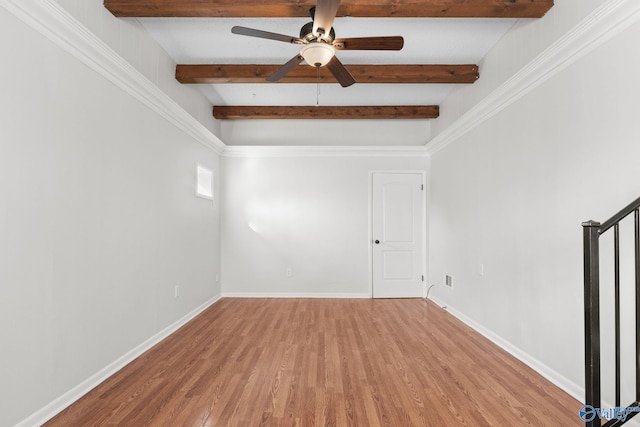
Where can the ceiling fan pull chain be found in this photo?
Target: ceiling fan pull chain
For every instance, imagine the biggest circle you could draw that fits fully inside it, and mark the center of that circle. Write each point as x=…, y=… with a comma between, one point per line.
x=318, y=87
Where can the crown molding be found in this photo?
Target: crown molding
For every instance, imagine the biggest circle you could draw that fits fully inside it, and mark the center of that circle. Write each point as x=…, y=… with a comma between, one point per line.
x=318, y=151
x=604, y=23
x=55, y=23
x=59, y=26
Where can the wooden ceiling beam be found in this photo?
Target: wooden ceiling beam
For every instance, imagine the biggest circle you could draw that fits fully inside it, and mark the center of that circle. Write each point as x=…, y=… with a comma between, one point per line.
x=326, y=112
x=355, y=8
x=257, y=73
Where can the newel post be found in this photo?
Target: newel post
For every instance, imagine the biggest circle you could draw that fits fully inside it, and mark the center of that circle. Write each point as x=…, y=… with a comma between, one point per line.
x=592, y=316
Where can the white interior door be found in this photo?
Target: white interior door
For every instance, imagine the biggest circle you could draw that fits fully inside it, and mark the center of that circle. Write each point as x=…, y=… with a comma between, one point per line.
x=397, y=235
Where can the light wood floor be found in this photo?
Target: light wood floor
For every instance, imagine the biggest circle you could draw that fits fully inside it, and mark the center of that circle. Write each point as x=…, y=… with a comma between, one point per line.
x=315, y=362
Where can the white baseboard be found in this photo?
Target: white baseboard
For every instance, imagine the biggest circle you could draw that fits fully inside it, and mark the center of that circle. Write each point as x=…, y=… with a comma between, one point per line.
x=49, y=411
x=568, y=386
x=289, y=295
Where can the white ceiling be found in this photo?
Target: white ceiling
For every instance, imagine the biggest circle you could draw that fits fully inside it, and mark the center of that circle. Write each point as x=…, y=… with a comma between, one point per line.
x=427, y=41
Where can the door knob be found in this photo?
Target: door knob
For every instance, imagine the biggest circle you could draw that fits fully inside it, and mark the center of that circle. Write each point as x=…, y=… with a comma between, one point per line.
x=377, y=242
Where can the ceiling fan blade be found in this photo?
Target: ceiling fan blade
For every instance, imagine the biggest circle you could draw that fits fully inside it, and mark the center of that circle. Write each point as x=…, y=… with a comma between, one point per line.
x=282, y=71
x=325, y=14
x=342, y=75
x=370, y=43
x=265, y=35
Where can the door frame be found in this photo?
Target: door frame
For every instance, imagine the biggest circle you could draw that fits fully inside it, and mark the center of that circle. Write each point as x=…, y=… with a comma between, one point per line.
x=425, y=229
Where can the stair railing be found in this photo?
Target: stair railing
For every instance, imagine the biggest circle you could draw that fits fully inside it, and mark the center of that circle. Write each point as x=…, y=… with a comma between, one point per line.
x=592, y=413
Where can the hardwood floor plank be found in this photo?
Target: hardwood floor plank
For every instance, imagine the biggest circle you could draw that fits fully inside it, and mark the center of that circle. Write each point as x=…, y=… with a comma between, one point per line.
x=314, y=362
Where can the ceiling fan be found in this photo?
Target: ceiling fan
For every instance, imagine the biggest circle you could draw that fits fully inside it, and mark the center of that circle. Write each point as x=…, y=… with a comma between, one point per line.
x=319, y=43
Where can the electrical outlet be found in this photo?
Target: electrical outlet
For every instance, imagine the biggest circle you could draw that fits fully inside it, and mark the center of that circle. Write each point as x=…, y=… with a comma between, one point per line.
x=481, y=269
x=289, y=272
x=447, y=281
x=176, y=291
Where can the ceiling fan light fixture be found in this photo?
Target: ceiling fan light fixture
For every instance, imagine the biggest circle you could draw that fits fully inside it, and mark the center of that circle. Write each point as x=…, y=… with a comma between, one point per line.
x=317, y=54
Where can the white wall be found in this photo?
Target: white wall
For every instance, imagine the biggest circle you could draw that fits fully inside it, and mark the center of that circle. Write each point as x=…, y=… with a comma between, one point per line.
x=511, y=194
x=326, y=132
x=300, y=212
x=98, y=222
